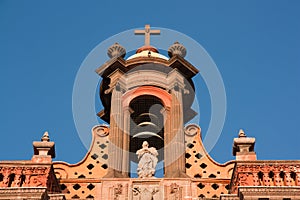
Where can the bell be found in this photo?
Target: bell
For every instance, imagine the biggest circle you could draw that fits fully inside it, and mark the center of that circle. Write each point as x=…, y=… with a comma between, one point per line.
x=147, y=117
x=147, y=126
x=146, y=134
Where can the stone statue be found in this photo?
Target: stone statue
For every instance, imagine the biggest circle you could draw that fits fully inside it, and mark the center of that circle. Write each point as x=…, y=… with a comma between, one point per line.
x=147, y=161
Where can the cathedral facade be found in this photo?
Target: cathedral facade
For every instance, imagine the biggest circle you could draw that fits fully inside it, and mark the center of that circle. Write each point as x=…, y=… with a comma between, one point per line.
x=149, y=151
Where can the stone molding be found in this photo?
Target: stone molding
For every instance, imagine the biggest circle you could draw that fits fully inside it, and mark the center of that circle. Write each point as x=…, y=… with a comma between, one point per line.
x=32, y=193
x=271, y=190
x=39, y=193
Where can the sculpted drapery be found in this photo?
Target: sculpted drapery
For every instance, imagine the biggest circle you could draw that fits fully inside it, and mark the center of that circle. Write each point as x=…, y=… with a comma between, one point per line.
x=147, y=161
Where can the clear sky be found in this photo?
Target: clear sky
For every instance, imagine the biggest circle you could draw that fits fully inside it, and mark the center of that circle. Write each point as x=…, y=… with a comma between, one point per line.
x=255, y=44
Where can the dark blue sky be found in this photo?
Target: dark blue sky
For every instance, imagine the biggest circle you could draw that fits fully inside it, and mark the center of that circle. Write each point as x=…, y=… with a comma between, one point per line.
x=255, y=44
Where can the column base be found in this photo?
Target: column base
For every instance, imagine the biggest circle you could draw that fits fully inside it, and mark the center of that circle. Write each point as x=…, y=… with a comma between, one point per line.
x=176, y=174
x=112, y=173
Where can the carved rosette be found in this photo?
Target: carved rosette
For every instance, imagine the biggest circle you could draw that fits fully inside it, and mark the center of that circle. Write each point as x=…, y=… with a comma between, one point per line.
x=119, y=191
x=191, y=130
x=101, y=130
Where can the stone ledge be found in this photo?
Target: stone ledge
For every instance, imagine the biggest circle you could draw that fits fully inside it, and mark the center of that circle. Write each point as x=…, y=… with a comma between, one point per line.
x=36, y=193
x=292, y=192
x=32, y=193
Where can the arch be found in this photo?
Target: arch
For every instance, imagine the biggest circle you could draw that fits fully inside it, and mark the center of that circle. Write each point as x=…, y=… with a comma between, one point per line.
x=147, y=123
x=163, y=95
x=11, y=179
x=1, y=177
x=22, y=179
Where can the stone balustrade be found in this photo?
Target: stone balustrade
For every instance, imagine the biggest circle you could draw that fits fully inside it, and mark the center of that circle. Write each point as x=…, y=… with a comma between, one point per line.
x=265, y=173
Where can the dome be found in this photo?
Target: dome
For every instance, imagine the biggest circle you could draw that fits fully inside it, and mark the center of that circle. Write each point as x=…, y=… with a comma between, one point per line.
x=148, y=51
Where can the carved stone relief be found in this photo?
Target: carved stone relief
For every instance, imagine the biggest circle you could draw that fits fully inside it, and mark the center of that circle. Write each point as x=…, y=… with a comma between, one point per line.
x=24, y=176
x=119, y=191
x=146, y=193
x=175, y=192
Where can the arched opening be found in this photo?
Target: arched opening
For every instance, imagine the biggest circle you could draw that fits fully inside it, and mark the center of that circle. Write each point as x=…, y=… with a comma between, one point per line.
x=146, y=124
x=1, y=177
x=23, y=177
x=11, y=179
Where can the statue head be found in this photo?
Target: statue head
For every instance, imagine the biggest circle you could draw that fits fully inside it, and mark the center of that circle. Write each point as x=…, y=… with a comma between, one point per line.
x=145, y=144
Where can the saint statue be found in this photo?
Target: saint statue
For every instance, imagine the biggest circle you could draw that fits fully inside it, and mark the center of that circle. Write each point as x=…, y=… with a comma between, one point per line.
x=147, y=161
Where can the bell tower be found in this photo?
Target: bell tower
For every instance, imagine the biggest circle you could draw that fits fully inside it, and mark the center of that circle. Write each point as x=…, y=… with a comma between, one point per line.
x=147, y=97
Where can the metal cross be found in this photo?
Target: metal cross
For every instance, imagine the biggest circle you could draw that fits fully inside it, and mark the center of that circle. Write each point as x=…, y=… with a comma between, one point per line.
x=147, y=32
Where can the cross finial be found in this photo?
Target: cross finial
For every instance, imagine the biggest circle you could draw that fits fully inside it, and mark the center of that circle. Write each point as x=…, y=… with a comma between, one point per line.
x=147, y=32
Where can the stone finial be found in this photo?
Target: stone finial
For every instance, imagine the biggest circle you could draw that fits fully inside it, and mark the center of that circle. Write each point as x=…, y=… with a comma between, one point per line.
x=243, y=147
x=45, y=137
x=177, y=49
x=43, y=150
x=242, y=133
x=116, y=50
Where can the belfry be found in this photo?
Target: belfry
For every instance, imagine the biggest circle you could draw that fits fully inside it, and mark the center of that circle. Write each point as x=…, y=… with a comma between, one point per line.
x=145, y=98
x=147, y=150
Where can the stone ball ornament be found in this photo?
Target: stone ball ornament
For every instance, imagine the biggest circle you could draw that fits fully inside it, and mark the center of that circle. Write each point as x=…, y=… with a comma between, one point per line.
x=177, y=49
x=116, y=50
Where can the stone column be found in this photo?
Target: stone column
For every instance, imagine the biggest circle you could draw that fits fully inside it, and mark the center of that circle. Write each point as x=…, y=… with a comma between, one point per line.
x=167, y=139
x=18, y=174
x=298, y=178
x=175, y=153
x=5, y=172
x=277, y=178
x=288, y=179
x=126, y=140
x=115, y=152
x=255, y=179
x=266, y=179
